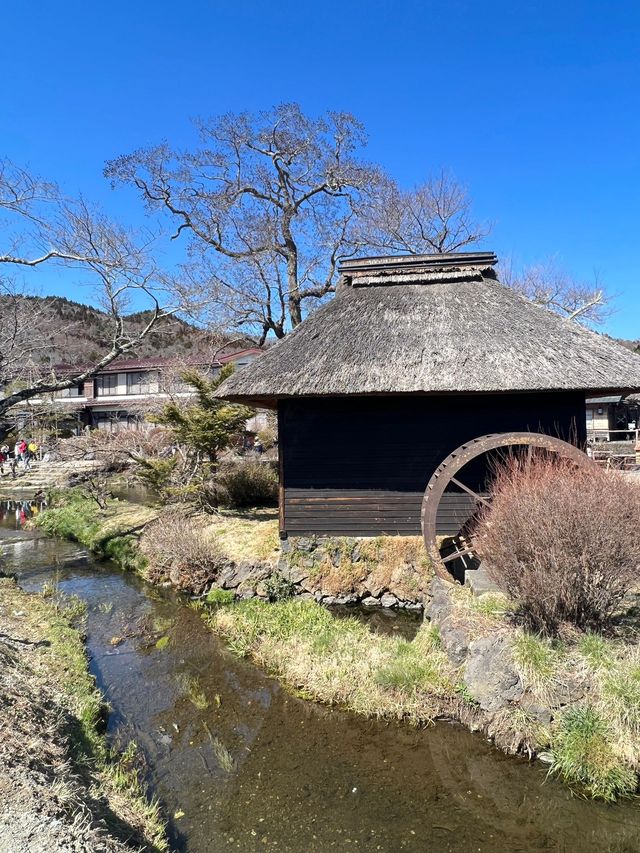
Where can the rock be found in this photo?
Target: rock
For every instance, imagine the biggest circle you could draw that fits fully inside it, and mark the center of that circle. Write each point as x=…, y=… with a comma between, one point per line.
x=375, y=590
x=303, y=544
x=307, y=596
x=328, y=600
x=247, y=571
x=296, y=574
x=538, y=712
x=567, y=692
x=245, y=593
x=388, y=600
x=490, y=675
x=370, y=601
x=227, y=578
x=440, y=606
x=414, y=605
x=455, y=642
x=440, y=610
x=479, y=581
x=261, y=590
x=345, y=600
x=285, y=546
x=308, y=584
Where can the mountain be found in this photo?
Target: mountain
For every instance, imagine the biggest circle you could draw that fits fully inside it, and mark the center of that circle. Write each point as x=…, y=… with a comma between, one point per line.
x=78, y=333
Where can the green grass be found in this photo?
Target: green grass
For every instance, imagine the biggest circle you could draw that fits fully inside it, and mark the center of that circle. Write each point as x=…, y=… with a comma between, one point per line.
x=538, y=660
x=410, y=670
x=596, y=651
x=73, y=515
x=339, y=661
x=194, y=692
x=620, y=689
x=123, y=551
x=220, y=596
x=583, y=756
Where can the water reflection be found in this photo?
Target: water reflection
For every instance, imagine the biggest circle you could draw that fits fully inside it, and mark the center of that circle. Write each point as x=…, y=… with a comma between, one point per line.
x=253, y=768
x=14, y=513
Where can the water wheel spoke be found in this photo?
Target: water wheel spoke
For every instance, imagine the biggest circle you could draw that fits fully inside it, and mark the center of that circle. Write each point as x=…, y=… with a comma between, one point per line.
x=479, y=498
x=450, y=557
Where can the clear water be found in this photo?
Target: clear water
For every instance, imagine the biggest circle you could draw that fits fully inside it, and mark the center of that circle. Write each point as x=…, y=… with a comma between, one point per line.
x=256, y=769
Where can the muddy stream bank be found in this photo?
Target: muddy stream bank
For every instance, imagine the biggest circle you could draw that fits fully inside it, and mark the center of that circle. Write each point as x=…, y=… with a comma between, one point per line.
x=239, y=763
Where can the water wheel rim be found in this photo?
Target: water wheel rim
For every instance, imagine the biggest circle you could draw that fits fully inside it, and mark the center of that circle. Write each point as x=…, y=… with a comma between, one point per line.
x=445, y=474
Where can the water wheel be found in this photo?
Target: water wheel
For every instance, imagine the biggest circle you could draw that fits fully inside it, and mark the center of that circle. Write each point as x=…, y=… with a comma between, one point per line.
x=464, y=495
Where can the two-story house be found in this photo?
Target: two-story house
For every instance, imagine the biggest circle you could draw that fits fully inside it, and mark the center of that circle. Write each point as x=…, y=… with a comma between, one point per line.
x=118, y=396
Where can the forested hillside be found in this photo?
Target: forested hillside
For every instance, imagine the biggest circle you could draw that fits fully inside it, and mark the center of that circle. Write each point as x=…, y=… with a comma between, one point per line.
x=80, y=333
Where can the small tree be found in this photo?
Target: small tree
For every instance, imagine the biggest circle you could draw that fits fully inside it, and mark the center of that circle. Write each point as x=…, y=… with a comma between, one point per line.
x=207, y=426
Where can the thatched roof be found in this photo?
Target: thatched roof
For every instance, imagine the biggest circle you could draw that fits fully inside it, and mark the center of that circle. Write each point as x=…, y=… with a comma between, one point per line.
x=432, y=324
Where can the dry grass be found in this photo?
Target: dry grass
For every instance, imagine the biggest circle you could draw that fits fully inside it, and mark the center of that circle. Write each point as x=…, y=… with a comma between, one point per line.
x=250, y=535
x=59, y=785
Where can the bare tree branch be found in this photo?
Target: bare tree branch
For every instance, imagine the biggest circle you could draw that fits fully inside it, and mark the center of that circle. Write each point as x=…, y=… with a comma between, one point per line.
x=51, y=229
x=270, y=204
x=549, y=285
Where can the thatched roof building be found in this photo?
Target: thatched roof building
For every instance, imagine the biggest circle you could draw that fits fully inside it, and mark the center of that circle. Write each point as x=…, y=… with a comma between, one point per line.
x=433, y=324
x=413, y=357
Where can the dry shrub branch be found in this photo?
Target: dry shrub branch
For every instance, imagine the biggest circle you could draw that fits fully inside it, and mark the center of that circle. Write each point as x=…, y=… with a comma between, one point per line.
x=563, y=542
x=178, y=550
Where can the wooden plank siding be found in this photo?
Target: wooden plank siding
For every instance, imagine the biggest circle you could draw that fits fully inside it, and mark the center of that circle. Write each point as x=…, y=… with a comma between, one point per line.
x=368, y=513
x=359, y=466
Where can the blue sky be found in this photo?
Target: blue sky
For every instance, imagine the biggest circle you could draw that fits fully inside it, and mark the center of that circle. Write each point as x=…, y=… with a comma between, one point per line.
x=535, y=107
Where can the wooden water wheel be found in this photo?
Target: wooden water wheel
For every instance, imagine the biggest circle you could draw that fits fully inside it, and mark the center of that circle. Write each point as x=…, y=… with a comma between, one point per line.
x=448, y=484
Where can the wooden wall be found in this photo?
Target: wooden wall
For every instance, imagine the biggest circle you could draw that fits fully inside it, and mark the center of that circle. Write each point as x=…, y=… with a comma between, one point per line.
x=358, y=466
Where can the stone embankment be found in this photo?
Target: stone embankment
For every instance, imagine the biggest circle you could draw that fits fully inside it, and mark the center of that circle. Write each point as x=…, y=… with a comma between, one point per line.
x=482, y=648
x=384, y=572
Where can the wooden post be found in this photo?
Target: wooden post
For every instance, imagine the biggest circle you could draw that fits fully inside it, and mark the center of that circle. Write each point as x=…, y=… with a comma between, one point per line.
x=281, y=515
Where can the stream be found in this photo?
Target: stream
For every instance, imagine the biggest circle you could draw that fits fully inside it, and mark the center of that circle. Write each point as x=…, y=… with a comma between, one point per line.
x=240, y=764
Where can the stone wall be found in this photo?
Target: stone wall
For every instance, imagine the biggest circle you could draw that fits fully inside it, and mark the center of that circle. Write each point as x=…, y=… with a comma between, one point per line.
x=375, y=572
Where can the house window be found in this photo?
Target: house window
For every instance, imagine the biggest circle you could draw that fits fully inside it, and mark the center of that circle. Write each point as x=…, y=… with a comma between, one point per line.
x=138, y=382
x=74, y=391
x=107, y=385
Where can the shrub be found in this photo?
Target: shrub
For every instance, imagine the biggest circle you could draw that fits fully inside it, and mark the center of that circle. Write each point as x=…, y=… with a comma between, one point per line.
x=279, y=588
x=561, y=541
x=247, y=483
x=178, y=550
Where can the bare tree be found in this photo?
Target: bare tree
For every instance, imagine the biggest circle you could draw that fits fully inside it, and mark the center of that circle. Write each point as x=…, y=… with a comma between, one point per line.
x=43, y=227
x=433, y=217
x=272, y=202
x=549, y=285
